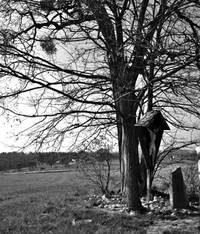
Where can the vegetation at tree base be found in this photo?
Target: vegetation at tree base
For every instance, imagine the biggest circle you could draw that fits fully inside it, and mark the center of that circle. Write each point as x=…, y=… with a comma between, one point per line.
x=99, y=66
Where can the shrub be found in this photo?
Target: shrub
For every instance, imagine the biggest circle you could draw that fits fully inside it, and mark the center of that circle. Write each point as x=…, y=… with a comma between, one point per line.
x=191, y=180
x=96, y=167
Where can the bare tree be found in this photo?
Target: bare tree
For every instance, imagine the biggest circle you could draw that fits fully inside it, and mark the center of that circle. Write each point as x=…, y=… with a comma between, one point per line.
x=96, y=64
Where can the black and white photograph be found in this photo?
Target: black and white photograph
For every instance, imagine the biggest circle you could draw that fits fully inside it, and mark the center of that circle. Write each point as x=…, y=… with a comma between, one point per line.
x=99, y=116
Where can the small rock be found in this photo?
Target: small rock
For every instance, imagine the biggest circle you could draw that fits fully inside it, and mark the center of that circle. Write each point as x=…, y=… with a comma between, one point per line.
x=183, y=211
x=101, y=205
x=150, y=213
x=196, y=213
x=44, y=218
x=123, y=209
x=189, y=212
x=133, y=213
x=155, y=199
x=80, y=221
x=104, y=198
x=151, y=207
x=173, y=214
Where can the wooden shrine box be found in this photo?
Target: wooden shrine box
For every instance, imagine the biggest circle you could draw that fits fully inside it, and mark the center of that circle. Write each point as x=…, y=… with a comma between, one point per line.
x=150, y=130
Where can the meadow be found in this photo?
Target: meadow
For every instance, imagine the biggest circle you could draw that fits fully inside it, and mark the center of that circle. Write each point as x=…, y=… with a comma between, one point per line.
x=36, y=203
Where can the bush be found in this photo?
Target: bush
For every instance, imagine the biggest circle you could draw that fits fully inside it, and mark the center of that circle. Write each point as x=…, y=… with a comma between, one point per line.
x=191, y=180
x=96, y=167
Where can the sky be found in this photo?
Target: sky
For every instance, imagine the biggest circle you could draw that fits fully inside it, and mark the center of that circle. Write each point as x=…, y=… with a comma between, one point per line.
x=6, y=141
x=9, y=143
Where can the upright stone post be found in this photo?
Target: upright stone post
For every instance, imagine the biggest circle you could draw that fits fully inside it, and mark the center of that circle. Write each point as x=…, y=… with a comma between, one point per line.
x=178, y=196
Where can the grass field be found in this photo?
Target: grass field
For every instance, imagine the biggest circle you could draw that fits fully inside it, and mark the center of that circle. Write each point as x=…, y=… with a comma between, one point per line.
x=49, y=202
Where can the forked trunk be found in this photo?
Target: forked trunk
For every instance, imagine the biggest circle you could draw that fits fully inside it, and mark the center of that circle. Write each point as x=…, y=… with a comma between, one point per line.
x=126, y=106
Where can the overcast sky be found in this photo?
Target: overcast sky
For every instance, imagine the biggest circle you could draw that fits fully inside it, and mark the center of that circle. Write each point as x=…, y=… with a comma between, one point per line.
x=10, y=143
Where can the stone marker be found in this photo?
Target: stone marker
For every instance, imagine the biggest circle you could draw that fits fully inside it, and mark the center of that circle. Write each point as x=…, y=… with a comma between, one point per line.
x=178, y=196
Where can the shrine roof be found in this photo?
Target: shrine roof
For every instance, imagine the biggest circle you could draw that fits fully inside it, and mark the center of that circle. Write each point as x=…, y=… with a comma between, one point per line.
x=151, y=118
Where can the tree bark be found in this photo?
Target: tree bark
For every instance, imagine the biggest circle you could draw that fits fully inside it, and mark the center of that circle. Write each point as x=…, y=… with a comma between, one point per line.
x=130, y=165
x=126, y=108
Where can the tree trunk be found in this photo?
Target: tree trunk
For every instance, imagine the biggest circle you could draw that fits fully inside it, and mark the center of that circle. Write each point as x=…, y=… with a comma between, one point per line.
x=130, y=165
x=149, y=169
x=126, y=107
x=121, y=163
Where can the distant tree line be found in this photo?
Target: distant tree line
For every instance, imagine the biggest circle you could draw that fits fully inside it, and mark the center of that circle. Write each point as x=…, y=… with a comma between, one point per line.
x=18, y=160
